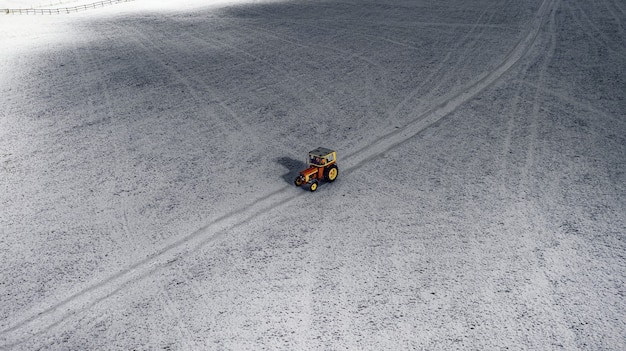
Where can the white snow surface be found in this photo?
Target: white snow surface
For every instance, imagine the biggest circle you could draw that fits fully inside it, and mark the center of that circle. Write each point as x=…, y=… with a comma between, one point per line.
x=148, y=150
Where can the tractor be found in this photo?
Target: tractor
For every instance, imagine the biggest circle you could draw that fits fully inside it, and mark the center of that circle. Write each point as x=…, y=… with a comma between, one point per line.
x=322, y=166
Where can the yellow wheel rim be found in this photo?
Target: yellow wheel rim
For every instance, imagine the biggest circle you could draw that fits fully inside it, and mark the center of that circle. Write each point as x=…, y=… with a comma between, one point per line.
x=332, y=174
x=313, y=186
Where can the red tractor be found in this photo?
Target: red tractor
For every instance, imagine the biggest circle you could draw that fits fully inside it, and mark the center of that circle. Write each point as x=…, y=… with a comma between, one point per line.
x=322, y=165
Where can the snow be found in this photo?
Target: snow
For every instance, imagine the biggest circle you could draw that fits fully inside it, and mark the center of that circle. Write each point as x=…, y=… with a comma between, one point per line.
x=148, y=150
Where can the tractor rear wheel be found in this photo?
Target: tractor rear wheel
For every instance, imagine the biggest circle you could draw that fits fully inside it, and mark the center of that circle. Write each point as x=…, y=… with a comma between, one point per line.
x=313, y=185
x=331, y=173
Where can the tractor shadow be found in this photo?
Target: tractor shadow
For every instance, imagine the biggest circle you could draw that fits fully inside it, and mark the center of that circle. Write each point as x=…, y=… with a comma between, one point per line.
x=294, y=166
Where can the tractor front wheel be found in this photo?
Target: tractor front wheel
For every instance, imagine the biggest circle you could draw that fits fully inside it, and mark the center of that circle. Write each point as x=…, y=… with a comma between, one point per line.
x=313, y=185
x=331, y=173
x=299, y=181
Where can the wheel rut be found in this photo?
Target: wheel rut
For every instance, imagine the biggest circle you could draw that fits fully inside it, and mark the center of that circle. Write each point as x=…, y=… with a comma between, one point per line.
x=449, y=103
x=44, y=320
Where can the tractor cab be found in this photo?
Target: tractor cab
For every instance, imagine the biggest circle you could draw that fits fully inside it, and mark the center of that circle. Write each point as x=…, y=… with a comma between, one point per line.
x=322, y=165
x=321, y=157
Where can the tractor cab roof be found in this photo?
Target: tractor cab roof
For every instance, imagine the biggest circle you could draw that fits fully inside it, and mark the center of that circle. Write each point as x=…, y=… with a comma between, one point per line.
x=320, y=152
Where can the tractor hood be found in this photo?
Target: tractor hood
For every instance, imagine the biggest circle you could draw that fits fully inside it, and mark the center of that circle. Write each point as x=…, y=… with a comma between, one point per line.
x=309, y=172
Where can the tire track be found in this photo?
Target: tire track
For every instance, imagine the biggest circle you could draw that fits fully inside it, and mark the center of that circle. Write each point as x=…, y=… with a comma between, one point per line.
x=468, y=40
x=180, y=327
x=617, y=17
x=158, y=55
x=618, y=6
x=71, y=306
x=232, y=118
x=393, y=113
x=54, y=315
x=121, y=237
x=346, y=55
x=449, y=103
x=575, y=102
x=525, y=186
x=594, y=33
x=506, y=147
x=321, y=106
x=504, y=174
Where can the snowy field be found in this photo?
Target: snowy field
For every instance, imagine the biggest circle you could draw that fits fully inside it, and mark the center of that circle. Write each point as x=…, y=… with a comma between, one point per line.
x=148, y=149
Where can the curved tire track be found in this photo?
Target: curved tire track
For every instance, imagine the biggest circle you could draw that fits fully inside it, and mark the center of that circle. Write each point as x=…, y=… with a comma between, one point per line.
x=449, y=103
x=39, y=323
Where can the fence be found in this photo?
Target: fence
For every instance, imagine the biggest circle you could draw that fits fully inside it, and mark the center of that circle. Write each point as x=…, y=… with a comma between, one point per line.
x=63, y=10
